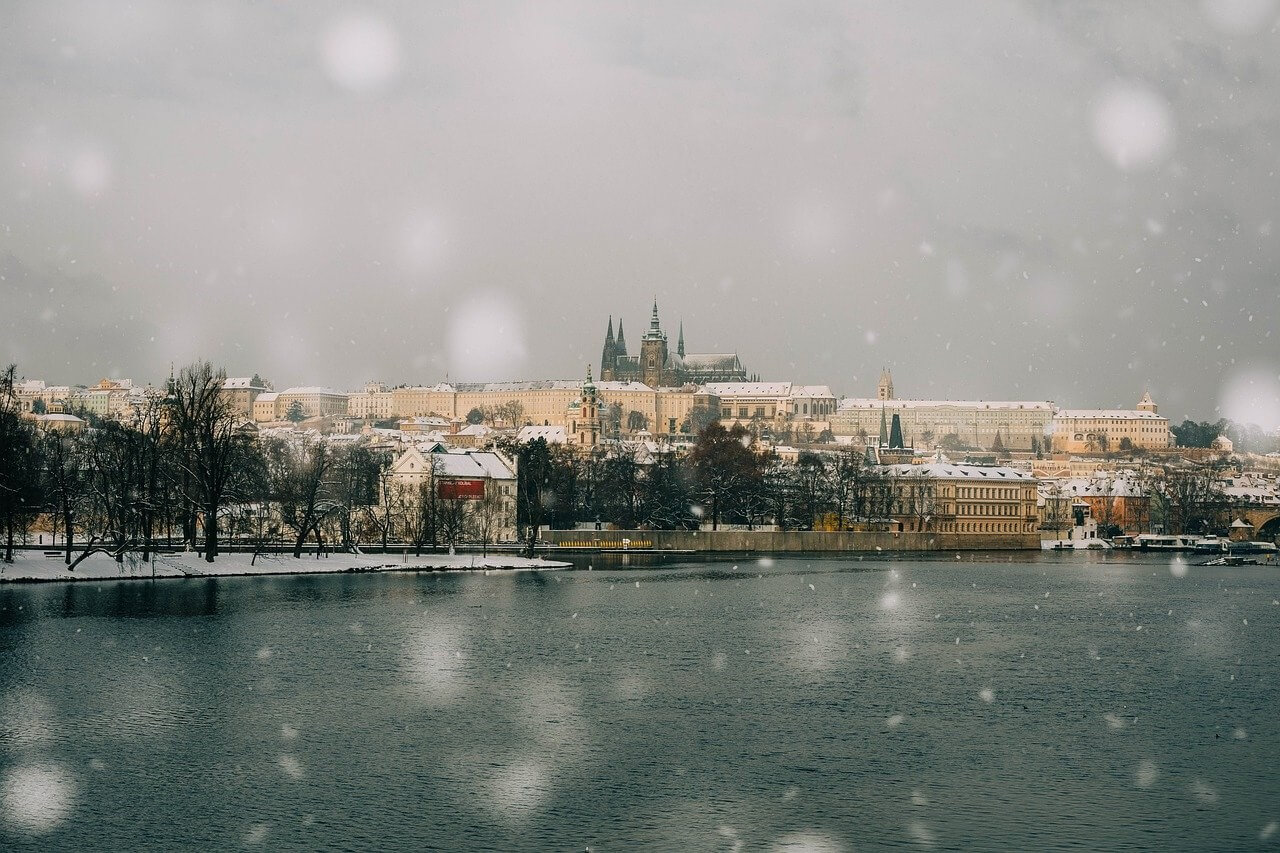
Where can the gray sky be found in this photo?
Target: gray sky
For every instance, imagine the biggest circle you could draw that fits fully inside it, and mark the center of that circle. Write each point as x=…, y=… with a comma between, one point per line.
x=1017, y=200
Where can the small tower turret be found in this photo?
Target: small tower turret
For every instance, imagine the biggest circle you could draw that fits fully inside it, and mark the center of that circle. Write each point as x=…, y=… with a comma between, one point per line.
x=884, y=390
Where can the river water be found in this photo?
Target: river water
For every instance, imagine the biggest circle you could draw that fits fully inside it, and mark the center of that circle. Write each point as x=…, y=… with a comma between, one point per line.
x=1049, y=702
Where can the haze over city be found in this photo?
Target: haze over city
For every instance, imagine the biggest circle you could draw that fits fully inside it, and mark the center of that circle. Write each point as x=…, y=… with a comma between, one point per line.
x=1074, y=203
x=781, y=425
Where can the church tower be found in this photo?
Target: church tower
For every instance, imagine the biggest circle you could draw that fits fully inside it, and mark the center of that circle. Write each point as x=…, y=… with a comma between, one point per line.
x=884, y=391
x=1146, y=404
x=653, y=351
x=586, y=424
x=608, y=358
x=680, y=341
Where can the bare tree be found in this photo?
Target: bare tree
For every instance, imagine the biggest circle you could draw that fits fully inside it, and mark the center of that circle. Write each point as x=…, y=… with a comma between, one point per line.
x=810, y=489
x=917, y=499
x=488, y=515
x=65, y=482
x=424, y=515
x=19, y=467
x=361, y=491
x=304, y=491
x=111, y=457
x=1187, y=498
x=1057, y=510
x=453, y=515
x=204, y=423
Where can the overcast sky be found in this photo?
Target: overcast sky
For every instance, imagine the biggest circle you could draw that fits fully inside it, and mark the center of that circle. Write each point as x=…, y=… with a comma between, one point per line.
x=1023, y=200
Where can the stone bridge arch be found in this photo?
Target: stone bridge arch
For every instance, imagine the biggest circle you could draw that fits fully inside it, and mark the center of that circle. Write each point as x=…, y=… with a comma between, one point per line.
x=1266, y=526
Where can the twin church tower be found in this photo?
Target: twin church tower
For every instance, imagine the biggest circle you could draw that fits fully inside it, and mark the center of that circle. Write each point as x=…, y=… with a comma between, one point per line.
x=658, y=367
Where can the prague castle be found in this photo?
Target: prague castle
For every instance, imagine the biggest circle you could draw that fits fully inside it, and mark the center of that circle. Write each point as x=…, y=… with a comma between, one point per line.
x=658, y=367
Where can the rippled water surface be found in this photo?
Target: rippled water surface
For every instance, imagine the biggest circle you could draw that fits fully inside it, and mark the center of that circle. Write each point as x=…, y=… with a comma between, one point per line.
x=1071, y=702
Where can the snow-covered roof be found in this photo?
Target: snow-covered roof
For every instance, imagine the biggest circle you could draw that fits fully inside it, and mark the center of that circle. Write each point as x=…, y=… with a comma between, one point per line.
x=478, y=430
x=313, y=389
x=239, y=383
x=441, y=387
x=623, y=386
x=525, y=385
x=811, y=391
x=950, y=471
x=494, y=465
x=711, y=361
x=268, y=396
x=550, y=434
x=1114, y=487
x=1252, y=495
x=484, y=465
x=1110, y=414
x=748, y=389
x=59, y=418
x=874, y=403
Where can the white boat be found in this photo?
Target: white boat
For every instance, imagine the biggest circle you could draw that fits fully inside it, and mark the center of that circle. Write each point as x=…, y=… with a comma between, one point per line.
x=1164, y=542
x=1252, y=548
x=1211, y=545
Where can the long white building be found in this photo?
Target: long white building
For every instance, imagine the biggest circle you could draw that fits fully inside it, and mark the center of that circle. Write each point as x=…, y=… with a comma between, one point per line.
x=1020, y=425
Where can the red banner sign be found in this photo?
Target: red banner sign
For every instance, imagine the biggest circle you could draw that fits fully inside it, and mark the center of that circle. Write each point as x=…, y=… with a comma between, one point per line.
x=467, y=490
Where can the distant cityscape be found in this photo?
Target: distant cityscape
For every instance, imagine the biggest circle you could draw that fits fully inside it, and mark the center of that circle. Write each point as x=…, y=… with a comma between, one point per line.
x=659, y=393
x=1046, y=474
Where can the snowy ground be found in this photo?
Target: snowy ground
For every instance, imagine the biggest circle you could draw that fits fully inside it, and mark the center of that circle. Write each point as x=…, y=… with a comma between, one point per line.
x=35, y=566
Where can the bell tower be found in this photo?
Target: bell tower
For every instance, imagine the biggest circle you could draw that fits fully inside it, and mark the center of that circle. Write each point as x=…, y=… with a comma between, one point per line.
x=884, y=391
x=653, y=351
x=586, y=425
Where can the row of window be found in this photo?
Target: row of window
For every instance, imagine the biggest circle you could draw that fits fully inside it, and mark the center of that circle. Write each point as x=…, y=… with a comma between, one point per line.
x=988, y=492
x=989, y=509
x=993, y=527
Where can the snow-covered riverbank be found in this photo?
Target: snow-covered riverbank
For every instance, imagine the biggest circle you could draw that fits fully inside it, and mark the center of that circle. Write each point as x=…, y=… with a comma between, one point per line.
x=34, y=566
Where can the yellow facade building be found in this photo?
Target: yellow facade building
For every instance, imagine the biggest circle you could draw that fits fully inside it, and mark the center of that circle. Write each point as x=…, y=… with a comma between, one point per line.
x=964, y=499
x=1104, y=430
x=541, y=402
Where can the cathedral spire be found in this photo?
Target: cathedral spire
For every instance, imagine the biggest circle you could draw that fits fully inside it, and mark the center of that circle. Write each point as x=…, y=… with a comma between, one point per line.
x=654, y=332
x=680, y=342
x=621, y=346
x=609, y=356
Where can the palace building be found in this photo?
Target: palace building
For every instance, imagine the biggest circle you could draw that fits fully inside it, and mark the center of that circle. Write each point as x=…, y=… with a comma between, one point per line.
x=1102, y=430
x=658, y=367
x=1016, y=424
